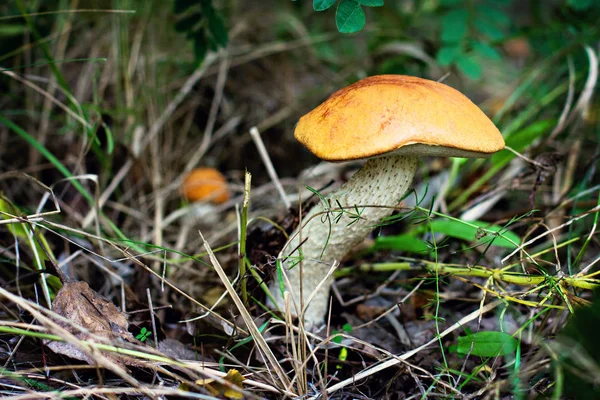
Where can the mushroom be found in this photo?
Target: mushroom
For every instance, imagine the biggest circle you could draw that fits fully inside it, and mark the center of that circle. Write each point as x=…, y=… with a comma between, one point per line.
x=391, y=120
x=205, y=184
x=207, y=189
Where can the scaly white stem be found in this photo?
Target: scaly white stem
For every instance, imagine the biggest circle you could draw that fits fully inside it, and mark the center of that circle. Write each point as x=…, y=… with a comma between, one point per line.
x=381, y=182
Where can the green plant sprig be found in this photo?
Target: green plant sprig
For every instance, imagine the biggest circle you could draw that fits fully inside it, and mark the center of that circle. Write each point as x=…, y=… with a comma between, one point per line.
x=349, y=14
x=243, y=237
x=469, y=31
x=202, y=24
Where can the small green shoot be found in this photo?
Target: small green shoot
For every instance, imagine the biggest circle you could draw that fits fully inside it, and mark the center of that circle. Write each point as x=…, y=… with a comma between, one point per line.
x=143, y=335
x=343, y=355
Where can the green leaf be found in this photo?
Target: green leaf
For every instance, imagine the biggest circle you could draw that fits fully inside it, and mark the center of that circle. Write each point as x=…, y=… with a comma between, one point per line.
x=322, y=5
x=447, y=55
x=488, y=29
x=347, y=328
x=371, y=3
x=580, y=5
x=406, y=242
x=464, y=231
x=217, y=28
x=485, y=50
x=337, y=339
x=454, y=25
x=349, y=16
x=495, y=15
x=201, y=22
x=487, y=344
x=212, y=44
x=469, y=67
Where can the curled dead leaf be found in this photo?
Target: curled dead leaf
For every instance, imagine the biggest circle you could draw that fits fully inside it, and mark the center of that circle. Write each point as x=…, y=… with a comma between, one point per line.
x=99, y=317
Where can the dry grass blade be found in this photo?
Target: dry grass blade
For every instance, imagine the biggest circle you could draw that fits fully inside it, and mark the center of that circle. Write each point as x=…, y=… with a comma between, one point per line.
x=255, y=134
x=252, y=328
x=109, y=392
x=590, y=83
x=583, y=102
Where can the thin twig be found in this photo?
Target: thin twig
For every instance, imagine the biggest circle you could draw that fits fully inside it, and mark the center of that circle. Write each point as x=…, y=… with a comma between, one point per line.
x=151, y=310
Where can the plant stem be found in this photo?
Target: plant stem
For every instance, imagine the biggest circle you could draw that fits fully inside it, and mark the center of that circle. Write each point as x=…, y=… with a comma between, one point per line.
x=516, y=278
x=243, y=226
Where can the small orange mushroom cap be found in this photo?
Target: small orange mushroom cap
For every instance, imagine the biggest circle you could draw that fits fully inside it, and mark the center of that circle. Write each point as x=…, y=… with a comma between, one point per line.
x=205, y=184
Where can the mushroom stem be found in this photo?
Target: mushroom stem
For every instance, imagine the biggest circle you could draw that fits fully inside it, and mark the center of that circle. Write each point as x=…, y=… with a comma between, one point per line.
x=377, y=186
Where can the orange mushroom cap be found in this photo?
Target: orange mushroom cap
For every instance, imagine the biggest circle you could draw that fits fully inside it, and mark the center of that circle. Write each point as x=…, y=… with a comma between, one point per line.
x=206, y=184
x=401, y=114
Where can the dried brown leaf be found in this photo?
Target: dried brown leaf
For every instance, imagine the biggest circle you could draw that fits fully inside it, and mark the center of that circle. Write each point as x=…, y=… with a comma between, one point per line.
x=99, y=317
